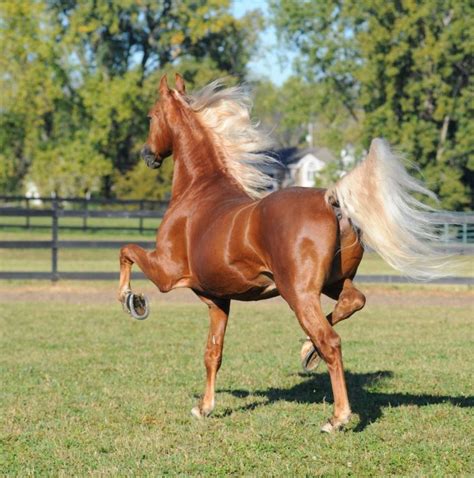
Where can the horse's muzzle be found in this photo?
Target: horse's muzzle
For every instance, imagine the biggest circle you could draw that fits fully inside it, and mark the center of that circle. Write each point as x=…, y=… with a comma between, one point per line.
x=151, y=159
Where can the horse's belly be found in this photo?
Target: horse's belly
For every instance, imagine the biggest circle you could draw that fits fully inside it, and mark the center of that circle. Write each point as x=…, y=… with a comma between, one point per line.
x=235, y=284
x=258, y=293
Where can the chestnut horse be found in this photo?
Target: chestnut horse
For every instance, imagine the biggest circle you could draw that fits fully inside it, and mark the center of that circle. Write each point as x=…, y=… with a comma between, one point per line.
x=225, y=241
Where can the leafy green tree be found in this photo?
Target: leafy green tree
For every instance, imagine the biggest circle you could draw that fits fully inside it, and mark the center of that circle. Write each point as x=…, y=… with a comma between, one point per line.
x=401, y=70
x=329, y=174
x=141, y=182
x=283, y=111
x=78, y=78
x=28, y=90
x=300, y=108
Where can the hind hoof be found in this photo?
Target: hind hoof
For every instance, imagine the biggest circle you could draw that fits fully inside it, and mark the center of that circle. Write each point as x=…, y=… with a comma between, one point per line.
x=333, y=425
x=137, y=306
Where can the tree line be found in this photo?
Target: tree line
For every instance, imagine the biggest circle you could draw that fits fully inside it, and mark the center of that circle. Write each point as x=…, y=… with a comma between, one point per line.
x=78, y=77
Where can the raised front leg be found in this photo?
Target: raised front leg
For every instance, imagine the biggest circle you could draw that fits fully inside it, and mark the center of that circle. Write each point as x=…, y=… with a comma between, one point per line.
x=135, y=304
x=218, y=315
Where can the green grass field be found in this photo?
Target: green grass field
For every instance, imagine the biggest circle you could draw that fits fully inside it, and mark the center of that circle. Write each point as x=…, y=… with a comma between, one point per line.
x=88, y=391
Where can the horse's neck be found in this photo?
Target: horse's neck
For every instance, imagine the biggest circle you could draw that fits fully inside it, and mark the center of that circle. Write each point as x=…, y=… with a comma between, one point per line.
x=196, y=161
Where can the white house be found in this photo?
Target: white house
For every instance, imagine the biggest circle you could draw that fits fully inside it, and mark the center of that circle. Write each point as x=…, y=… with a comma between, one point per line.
x=33, y=192
x=298, y=167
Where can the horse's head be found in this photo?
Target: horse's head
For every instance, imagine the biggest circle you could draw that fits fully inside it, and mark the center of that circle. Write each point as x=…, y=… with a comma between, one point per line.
x=160, y=139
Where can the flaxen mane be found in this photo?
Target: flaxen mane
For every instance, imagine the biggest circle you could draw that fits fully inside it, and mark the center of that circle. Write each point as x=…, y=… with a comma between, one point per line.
x=226, y=113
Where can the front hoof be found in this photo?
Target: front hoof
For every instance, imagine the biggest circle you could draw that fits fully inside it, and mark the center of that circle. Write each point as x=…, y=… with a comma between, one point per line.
x=333, y=425
x=200, y=413
x=137, y=306
x=309, y=356
x=196, y=412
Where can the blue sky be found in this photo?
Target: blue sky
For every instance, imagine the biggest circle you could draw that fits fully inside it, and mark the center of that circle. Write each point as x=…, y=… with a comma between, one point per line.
x=270, y=60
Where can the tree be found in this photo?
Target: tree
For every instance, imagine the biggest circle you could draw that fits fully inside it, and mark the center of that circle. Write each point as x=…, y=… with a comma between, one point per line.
x=283, y=111
x=79, y=78
x=407, y=66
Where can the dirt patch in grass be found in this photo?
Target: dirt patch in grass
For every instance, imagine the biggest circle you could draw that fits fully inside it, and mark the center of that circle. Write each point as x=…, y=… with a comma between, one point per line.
x=106, y=293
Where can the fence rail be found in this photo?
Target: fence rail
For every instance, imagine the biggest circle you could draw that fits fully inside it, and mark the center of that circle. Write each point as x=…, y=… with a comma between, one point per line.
x=80, y=208
x=56, y=213
x=460, y=241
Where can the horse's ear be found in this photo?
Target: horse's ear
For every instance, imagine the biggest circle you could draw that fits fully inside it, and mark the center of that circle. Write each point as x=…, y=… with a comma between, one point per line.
x=180, y=86
x=163, y=89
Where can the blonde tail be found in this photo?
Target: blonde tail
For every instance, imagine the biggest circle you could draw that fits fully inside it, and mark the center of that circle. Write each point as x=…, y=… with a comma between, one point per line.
x=376, y=197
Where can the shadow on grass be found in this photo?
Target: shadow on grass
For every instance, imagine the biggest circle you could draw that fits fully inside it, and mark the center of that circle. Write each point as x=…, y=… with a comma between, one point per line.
x=367, y=404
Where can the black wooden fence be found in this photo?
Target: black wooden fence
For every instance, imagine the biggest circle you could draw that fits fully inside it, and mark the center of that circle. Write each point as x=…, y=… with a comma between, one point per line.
x=55, y=213
x=459, y=240
x=85, y=208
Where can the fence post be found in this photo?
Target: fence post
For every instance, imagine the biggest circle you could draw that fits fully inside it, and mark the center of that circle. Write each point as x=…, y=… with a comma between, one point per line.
x=28, y=212
x=86, y=212
x=141, y=218
x=54, y=242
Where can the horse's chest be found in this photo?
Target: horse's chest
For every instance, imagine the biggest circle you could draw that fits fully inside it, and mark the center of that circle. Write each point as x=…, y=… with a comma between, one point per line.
x=211, y=255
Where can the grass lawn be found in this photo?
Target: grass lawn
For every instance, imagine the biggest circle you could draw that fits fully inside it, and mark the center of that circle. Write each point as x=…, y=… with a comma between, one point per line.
x=87, y=391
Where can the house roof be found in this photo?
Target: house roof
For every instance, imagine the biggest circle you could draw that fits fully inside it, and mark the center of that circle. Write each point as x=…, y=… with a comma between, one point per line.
x=288, y=156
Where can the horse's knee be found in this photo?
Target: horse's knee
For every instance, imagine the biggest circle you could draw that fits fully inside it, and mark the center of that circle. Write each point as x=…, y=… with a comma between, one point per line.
x=213, y=357
x=125, y=255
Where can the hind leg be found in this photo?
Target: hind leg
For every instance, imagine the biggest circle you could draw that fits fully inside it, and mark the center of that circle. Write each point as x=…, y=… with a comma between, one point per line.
x=303, y=296
x=349, y=301
x=328, y=344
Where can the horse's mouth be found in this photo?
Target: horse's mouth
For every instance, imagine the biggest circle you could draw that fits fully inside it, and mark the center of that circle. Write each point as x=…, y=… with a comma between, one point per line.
x=153, y=161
